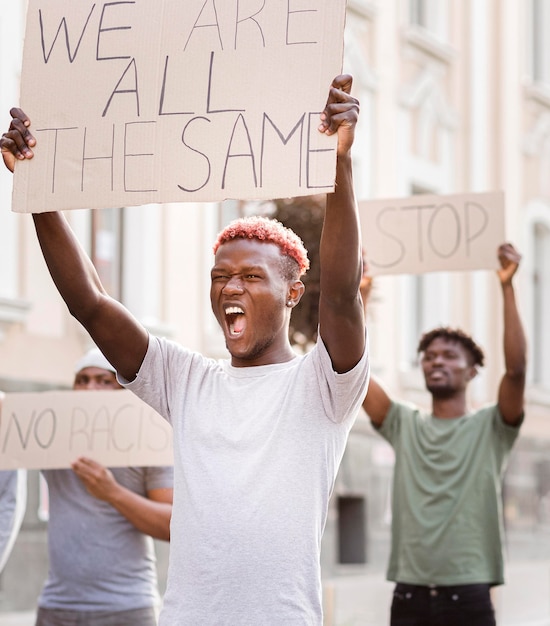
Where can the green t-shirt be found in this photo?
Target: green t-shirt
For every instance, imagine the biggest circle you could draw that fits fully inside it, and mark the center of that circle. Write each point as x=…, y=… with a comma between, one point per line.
x=447, y=526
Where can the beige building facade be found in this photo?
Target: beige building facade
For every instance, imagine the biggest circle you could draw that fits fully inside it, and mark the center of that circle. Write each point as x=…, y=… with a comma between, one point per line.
x=455, y=97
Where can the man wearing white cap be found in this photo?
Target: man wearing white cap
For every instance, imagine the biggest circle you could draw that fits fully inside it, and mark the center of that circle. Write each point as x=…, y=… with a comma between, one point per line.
x=101, y=555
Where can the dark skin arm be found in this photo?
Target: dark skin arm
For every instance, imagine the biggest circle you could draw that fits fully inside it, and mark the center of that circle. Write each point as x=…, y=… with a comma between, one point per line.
x=377, y=402
x=341, y=321
x=121, y=338
x=512, y=385
x=151, y=515
x=116, y=332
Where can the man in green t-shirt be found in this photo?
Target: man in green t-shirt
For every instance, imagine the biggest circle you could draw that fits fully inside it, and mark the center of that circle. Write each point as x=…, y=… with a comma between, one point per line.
x=447, y=524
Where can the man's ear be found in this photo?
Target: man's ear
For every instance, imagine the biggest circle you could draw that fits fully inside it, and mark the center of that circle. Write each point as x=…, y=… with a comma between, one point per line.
x=473, y=372
x=295, y=292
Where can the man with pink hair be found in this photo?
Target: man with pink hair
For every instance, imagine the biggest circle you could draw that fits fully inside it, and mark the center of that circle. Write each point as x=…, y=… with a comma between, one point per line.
x=258, y=438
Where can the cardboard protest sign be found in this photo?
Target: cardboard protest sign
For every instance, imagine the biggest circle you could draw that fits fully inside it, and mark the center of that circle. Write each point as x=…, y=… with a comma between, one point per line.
x=52, y=429
x=431, y=233
x=141, y=101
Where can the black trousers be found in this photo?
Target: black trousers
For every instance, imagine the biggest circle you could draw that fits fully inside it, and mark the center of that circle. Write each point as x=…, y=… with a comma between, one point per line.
x=434, y=605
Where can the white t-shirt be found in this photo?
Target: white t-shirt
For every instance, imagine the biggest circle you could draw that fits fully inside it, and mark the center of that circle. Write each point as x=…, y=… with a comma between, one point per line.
x=256, y=451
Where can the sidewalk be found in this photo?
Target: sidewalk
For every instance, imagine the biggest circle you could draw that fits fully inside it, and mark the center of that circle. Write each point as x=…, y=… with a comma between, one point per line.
x=18, y=618
x=365, y=600
x=525, y=598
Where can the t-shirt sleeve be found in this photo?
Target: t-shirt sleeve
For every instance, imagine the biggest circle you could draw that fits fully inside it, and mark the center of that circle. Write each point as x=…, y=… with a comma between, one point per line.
x=391, y=426
x=507, y=434
x=342, y=394
x=161, y=477
x=155, y=375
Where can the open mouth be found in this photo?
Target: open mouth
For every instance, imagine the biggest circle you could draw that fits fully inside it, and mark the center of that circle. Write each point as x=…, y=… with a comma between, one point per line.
x=235, y=320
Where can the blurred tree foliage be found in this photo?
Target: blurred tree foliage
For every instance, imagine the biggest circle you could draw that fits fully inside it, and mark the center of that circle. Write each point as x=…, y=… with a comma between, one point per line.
x=305, y=217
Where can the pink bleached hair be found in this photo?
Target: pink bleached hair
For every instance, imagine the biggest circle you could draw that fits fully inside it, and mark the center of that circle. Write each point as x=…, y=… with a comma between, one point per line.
x=269, y=230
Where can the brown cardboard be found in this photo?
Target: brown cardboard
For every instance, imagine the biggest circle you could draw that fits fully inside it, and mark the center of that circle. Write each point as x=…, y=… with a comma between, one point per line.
x=52, y=429
x=147, y=101
x=431, y=233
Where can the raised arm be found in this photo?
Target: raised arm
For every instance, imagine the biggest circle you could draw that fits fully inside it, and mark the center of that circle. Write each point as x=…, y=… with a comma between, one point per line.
x=341, y=322
x=512, y=385
x=115, y=331
x=151, y=515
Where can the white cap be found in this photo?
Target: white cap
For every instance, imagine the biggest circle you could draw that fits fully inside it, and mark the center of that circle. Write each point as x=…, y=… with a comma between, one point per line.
x=93, y=358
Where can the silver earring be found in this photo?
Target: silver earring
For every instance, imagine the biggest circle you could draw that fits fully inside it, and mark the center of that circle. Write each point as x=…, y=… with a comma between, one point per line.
x=289, y=303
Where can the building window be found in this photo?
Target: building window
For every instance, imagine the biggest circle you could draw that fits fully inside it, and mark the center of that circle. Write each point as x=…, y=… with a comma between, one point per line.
x=540, y=41
x=228, y=211
x=430, y=15
x=352, y=545
x=541, y=306
x=426, y=299
x=418, y=317
x=106, y=246
x=418, y=12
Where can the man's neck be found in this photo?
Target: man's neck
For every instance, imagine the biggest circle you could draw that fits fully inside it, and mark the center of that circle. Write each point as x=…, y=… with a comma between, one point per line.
x=449, y=408
x=269, y=357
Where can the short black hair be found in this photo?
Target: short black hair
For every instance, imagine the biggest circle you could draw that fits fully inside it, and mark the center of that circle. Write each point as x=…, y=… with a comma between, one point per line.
x=453, y=334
